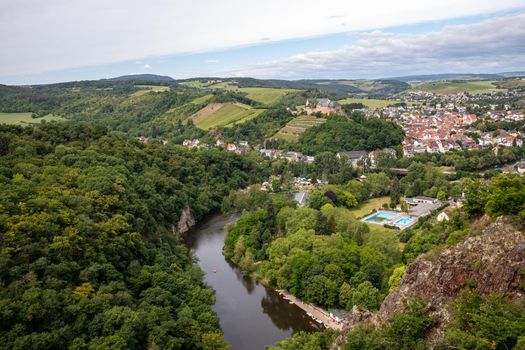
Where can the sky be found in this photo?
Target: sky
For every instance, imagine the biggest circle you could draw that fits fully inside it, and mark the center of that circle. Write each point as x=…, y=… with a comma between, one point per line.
x=63, y=40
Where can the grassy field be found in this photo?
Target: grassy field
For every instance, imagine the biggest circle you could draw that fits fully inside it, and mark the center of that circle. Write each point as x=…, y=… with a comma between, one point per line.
x=366, y=208
x=225, y=115
x=25, y=118
x=202, y=99
x=210, y=84
x=455, y=87
x=511, y=84
x=263, y=95
x=267, y=96
x=149, y=88
x=297, y=126
x=369, y=205
x=379, y=228
x=369, y=102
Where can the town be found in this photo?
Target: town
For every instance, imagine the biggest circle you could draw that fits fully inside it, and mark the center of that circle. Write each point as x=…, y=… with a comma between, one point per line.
x=433, y=123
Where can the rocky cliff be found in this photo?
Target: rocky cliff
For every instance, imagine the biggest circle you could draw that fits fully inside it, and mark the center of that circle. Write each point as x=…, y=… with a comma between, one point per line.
x=186, y=222
x=491, y=262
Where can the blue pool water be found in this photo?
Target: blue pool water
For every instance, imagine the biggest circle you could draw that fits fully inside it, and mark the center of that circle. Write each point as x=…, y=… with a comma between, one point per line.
x=403, y=221
x=381, y=214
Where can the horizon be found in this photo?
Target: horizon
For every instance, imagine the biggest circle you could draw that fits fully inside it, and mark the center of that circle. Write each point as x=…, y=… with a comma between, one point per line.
x=518, y=74
x=341, y=40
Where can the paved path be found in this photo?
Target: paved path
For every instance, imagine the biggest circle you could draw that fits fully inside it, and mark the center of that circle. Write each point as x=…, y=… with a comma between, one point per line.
x=315, y=311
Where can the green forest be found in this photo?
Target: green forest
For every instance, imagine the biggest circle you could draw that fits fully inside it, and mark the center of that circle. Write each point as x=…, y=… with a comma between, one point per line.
x=88, y=256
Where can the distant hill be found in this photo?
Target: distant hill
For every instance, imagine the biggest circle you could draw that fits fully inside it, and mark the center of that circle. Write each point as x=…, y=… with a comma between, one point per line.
x=339, y=87
x=449, y=76
x=142, y=78
x=513, y=74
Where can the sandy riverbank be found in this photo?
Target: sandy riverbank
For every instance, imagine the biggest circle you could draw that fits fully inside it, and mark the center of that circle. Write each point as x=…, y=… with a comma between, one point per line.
x=314, y=311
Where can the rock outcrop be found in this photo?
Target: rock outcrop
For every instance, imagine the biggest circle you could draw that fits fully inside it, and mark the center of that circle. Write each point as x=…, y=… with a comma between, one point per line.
x=491, y=262
x=186, y=222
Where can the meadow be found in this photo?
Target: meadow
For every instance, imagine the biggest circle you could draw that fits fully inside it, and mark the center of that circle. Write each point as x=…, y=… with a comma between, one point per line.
x=216, y=115
x=511, y=84
x=25, y=118
x=144, y=89
x=367, y=206
x=266, y=96
x=369, y=102
x=455, y=87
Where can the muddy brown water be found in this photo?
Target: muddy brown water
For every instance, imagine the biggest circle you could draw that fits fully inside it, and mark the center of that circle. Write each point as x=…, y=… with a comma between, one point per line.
x=251, y=315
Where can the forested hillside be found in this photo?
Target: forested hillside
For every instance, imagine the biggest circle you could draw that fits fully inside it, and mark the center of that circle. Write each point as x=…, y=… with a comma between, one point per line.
x=340, y=134
x=88, y=257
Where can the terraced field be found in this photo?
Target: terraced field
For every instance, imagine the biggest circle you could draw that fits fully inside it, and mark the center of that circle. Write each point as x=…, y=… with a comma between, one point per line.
x=223, y=114
x=296, y=127
x=455, y=87
x=25, y=118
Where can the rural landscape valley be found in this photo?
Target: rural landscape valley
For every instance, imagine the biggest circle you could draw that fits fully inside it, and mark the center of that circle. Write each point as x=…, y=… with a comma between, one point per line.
x=323, y=177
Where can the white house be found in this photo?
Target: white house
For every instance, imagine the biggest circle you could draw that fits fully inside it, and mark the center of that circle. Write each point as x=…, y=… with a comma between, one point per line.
x=443, y=217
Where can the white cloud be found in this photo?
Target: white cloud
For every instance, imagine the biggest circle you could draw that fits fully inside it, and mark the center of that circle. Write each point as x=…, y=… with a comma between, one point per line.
x=212, y=61
x=39, y=36
x=493, y=45
x=146, y=66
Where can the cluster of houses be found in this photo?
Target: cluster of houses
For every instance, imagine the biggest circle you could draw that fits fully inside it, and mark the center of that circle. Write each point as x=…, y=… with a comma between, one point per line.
x=426, y=96
x=444, y=132
x=518, y=168
x=358, y=158
x=300, y=184
x=508, y=115
x=291, y=156
x=239, y=147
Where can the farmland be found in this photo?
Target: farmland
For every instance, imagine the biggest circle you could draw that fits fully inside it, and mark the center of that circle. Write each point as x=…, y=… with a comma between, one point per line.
x=297, y=126
x=455, y=87
x=369, y=102
x=25, y=118
x=262, y=95
x=511, y=84
x=218, y=114
x=266, y=96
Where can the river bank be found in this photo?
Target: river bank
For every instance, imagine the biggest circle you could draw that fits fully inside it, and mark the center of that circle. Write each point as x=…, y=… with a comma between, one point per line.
x=317, y=313
x=252, y=316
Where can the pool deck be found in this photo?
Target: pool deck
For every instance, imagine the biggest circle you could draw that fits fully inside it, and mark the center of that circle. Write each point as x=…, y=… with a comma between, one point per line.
x=392, y=220
x=425, y=206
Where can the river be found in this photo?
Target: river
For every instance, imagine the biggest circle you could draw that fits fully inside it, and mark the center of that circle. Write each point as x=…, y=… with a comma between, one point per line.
x=251, y=315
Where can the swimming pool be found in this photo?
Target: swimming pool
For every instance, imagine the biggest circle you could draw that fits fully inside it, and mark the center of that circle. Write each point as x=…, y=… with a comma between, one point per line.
x=381, y=216
x=404, y=221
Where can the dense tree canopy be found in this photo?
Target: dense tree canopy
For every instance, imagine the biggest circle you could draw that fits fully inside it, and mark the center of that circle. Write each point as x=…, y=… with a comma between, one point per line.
x=340, y=134
x=88, y=259
x=318, y=255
